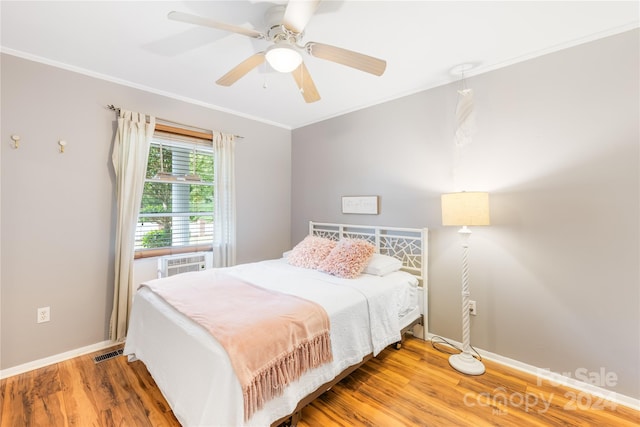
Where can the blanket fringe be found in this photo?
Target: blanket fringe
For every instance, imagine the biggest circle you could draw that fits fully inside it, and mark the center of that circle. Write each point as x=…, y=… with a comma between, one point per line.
x=270, y=382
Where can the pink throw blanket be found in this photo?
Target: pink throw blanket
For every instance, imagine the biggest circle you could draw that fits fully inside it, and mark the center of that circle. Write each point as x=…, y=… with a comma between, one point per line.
x=271, y=338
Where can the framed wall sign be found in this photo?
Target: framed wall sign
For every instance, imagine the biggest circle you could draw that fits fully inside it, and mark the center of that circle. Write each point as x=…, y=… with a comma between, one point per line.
x=367, y=205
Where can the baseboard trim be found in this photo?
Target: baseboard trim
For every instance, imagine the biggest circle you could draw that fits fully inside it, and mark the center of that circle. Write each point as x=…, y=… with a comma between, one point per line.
x=555, y=378
x=41, y=363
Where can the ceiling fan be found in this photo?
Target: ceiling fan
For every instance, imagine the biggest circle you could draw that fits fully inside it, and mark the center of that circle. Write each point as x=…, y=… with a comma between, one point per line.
x=285, y=27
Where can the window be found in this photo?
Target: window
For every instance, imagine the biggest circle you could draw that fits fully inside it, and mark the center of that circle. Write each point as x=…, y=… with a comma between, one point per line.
x=176, y=214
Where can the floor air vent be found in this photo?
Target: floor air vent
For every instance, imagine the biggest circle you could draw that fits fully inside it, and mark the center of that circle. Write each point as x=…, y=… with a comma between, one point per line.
x=107, y=356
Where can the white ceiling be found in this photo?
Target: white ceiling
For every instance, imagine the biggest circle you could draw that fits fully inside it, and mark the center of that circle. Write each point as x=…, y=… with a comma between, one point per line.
x=133, y=42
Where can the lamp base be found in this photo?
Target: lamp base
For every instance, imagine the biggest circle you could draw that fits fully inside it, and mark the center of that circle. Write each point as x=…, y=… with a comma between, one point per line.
x=466, y=363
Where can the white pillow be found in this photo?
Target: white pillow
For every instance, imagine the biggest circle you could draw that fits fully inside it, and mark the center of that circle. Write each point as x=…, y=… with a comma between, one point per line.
x=381, y=265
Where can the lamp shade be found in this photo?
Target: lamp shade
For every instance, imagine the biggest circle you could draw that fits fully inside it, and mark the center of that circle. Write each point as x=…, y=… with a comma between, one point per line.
x=466, y=208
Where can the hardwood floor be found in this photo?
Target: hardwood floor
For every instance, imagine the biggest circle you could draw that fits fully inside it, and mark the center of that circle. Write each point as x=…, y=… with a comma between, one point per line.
x=411, y=387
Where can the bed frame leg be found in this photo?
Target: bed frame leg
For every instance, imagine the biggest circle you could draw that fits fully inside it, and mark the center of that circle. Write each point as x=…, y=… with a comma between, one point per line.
x=295, y=417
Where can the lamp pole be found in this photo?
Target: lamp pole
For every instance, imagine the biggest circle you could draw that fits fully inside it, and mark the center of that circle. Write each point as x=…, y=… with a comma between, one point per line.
x=464, y=361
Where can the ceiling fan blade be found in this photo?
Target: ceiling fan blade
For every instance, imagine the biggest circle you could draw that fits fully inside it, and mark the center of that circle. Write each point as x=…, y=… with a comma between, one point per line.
x=241, y=69
x=298, y=13
x=346, y=57
x=305, y=84
x=199, y=20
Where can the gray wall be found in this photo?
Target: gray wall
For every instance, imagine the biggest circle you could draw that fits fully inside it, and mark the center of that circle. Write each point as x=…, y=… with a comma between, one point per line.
x=58, y=210
x=556, y=275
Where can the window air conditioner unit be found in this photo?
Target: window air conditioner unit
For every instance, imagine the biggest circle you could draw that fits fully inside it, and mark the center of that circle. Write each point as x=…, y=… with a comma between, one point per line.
x=175, y=264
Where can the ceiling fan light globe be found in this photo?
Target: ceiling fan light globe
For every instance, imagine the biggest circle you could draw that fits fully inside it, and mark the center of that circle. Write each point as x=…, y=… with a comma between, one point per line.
x=283, y=58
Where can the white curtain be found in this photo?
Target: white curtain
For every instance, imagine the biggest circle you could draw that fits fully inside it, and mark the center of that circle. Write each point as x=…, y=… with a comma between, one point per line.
x=224, y=209
x=130, y=153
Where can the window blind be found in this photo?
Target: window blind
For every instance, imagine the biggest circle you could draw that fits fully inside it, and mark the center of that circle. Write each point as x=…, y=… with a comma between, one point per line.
x=177, y=200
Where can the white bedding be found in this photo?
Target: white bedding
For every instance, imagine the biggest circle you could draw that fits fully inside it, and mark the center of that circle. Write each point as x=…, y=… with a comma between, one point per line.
x=194, y=372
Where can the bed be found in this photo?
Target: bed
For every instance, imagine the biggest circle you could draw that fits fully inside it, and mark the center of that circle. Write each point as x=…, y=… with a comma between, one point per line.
x=368, y=313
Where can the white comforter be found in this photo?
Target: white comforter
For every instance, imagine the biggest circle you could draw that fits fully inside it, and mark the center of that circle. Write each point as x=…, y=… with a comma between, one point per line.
x=194, y=372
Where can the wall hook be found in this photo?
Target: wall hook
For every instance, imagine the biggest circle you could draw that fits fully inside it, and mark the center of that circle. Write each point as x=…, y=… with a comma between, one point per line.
x=16, y=140
x=62, y=143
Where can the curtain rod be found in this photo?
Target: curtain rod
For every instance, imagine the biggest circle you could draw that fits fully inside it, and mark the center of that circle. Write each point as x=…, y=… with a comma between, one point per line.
x=117, y=110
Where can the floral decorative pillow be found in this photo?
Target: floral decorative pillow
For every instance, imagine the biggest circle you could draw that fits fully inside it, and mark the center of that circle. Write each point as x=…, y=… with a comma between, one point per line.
x=348, y=258
x=310, y=252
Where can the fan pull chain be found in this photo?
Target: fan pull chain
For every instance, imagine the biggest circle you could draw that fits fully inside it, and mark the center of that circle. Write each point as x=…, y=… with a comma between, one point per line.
x=301, y=80
x=264, y=83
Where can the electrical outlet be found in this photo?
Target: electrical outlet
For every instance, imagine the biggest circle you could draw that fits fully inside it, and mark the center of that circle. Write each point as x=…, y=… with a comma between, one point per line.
x=44, y=314
x=472, y=308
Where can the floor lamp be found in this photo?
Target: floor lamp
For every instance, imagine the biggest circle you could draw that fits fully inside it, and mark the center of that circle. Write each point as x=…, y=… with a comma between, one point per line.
x=465, y=209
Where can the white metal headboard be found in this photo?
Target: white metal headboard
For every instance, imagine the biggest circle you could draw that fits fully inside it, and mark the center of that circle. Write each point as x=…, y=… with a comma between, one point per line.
x=409, y=245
